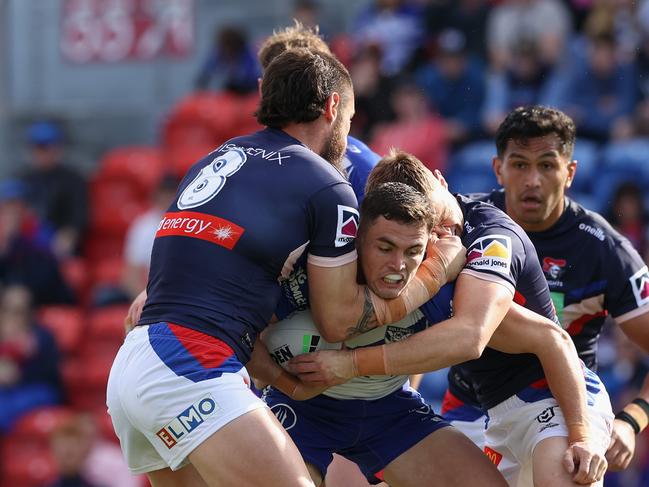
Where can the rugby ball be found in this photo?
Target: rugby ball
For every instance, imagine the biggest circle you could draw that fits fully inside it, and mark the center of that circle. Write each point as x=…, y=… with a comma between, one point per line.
x=295, y=335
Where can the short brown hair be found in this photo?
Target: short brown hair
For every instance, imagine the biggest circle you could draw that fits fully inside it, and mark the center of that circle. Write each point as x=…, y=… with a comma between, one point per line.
x=533, y=121
x=398, y=202
x=402, y=167
x=295, y=36
x=296, y=86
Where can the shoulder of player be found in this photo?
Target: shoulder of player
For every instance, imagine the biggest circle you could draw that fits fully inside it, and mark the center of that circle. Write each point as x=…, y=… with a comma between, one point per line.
x=360, y=155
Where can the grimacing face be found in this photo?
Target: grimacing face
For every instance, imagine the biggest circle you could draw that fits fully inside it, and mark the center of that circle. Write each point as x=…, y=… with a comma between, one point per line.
x=535, y=176
x=390, y=253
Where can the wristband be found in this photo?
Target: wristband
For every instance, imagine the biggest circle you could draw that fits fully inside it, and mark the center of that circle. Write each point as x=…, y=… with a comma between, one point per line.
x=637, y=413
x=369, y=361
x=627, y=418
x=286, y=383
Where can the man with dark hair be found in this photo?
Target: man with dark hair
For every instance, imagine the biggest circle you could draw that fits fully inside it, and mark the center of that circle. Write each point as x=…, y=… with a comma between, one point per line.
x=379, y=422
x=178, y=390
x=592, y=271
x=530, y=434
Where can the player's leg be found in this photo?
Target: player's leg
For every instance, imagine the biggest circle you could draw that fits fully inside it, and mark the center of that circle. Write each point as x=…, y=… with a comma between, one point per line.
x=547, y=455
x=445, y=458
x=344, y=473
x=252, y=450
x=185, y=477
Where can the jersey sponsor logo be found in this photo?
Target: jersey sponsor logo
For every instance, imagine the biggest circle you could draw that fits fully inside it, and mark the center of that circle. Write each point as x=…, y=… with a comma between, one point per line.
x=347, y=225
x=546, y=415
x=285, y=415
x=202, y=226
x=640, y=286
x=493, y=455
x=493, y=253
x=211, y=179
x=596, y=232
x=553, y=268
x=282, y=354
x=187, y=421
x=297, y=297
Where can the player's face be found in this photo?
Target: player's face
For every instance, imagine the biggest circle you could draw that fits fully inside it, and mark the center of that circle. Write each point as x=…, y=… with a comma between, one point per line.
x=335, y=146
x=390, y=253
x=535, y=176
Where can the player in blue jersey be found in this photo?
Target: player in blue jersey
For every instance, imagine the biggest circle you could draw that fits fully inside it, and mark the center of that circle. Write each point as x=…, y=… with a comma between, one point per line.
x=592, y=271
x=501, y=268
x=379, y=422
x=178, y=391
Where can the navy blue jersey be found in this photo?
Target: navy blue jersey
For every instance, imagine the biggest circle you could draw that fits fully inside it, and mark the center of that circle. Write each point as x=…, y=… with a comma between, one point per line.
x=357, y=163
x=498, y=250
x=592, y=271
x=242, y=216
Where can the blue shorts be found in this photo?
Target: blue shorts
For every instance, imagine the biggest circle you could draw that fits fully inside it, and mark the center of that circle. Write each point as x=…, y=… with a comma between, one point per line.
x=370, y=433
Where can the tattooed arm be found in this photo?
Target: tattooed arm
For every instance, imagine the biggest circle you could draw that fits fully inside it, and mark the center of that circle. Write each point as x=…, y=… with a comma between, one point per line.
x=342, y=308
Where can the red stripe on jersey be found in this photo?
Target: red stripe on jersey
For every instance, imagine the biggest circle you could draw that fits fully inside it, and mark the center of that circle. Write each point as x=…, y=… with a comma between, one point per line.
x=519, y=298
x=450, y=402
x=540, y=384
x=202, y=226
x=577, y=326
x=209, y=351
x=379, y=475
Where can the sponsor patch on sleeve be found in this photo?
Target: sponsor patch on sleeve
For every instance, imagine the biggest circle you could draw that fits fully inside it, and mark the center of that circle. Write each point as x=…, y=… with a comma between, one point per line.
x=347, y=225
x=491, y=253
x=640, y=286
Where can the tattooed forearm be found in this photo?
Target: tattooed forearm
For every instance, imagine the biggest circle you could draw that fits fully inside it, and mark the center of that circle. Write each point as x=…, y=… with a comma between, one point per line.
x=368, y=319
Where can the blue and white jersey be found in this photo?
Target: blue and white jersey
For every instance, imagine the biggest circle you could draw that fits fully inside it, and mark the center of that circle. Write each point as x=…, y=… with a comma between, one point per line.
x=358, y=163
x=242, y=217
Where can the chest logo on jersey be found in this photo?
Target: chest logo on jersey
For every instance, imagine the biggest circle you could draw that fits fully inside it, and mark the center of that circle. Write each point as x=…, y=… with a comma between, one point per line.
x=640, y=286
x=492, y=253
x=202, y=226
x=553, y=268
x=347, y=225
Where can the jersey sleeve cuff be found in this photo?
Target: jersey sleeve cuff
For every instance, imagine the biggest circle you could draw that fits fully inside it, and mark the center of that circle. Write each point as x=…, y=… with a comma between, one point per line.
x=634, y=313
x=491, y=278
x=332, y=261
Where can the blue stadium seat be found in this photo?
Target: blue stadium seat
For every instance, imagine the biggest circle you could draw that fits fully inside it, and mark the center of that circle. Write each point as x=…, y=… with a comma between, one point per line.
x=474, y=180
x=588, y=156
x=474, y=155
x=632, y=154
x=609, y=178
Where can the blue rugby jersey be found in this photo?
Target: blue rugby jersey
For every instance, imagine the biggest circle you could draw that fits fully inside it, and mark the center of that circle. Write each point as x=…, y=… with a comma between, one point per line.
x=241, y=218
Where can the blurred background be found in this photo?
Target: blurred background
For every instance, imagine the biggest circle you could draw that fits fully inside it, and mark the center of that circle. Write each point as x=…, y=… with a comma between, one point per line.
x=104, y=104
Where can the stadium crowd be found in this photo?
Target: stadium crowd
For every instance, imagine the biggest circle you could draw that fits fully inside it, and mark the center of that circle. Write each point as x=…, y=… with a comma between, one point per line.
x=432, y=77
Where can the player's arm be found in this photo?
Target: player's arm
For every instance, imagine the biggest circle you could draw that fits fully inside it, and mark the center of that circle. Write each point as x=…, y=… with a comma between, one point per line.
x=634, y=417
x=342, y=308
x=523, y=331
x=458, y=339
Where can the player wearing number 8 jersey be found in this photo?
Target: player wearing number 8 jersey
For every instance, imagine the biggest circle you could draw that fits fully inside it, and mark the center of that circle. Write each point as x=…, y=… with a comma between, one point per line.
x=178, y=390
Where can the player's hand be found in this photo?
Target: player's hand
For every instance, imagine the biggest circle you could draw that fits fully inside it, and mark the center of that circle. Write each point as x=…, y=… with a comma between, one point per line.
x=620, y=450
x=582, y=460
x=323, y=368
x=449, y=254
x=134, y=311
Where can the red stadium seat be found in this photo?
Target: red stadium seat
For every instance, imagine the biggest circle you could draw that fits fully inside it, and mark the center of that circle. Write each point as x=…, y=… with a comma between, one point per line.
x=107, y=323
x=65, y=322
x=107, y=271
x=140, y=165
x=114, y=205
x=39, y=423
x=181, y=157
x=27, y=466
x=75, y=273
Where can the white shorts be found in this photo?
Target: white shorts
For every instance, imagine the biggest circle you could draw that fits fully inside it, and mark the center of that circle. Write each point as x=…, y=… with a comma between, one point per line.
x=170, y=388
x=515, y=427
x=475, y=430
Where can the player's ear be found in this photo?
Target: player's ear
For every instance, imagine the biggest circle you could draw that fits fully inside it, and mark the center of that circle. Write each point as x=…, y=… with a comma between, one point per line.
x=332, y=106
x=259, y=86
x=497, y=164
x=572, y=170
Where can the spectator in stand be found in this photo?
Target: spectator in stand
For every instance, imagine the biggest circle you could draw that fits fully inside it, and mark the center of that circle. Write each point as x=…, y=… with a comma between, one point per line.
x=231, y=64
x=84, y=459
x=601, y=95
x=629, y=215
x=57, y=193
x=454, y=85
x=526, y=80
x=25, y=254
x=545, y=22
x=467, y=16
x=29, y=360
x=416, y=129
x=372, y=90
x=395, y=26
x=139, y=239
